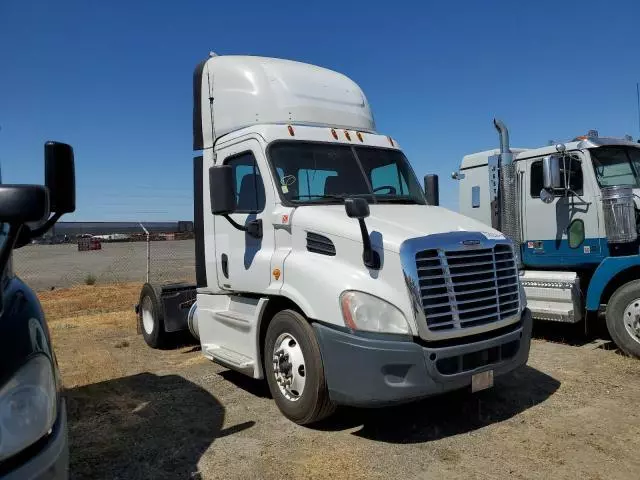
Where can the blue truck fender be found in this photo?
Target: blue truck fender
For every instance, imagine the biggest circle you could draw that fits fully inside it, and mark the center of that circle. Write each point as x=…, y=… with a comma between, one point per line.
x=608, y=269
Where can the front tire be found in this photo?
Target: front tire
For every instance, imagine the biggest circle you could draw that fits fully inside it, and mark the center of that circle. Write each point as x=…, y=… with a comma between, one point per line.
x=623, y=318
x=151, y=317
x=294, y=370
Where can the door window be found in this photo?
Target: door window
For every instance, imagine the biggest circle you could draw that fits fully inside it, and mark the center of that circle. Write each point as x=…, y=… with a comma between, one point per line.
x=249, y=187
x=571, y=174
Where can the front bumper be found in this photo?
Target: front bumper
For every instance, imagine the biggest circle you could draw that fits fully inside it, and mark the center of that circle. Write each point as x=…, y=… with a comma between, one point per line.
x=364, y=371
x=52, y=461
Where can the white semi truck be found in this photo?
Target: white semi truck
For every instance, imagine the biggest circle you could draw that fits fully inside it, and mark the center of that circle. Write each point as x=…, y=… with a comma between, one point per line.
x=571, y=208
x=320, y=265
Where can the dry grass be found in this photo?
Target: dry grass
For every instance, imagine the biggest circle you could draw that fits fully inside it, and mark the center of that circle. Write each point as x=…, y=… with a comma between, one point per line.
x=89, y=299
x=92, y=328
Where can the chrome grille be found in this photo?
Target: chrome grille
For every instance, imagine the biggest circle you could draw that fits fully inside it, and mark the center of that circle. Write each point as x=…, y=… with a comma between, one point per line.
x=467, y=288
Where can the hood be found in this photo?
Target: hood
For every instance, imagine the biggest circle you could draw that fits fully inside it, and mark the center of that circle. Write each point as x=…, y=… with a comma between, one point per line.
x=389, y=224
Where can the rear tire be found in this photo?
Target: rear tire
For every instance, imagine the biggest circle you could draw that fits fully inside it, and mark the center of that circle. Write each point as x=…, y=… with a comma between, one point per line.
x=290, y=333
x=151, y=317
x=623, y=318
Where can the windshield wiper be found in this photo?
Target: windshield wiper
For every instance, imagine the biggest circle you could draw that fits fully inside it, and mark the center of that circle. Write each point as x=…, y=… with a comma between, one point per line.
x=319, y=197
x=404, y=200
x=340, y=197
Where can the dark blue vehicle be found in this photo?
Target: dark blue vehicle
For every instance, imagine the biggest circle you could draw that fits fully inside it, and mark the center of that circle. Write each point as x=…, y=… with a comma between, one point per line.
x=33, y=419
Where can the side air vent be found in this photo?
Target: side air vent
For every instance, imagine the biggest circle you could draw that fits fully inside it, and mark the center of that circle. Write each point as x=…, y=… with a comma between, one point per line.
x=320, y=244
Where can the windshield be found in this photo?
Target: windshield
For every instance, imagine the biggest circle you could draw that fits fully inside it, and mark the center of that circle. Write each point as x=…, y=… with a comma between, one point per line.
x=312, y=173
x=616, y=166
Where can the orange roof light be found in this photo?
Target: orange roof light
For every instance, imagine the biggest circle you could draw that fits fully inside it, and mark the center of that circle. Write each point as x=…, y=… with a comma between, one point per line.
x=346, y=134
x=359, y=135
x=334, y=133
x=290, y=128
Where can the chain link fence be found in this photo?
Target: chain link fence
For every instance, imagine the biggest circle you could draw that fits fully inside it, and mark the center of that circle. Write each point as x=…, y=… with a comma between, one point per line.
x=115, y=258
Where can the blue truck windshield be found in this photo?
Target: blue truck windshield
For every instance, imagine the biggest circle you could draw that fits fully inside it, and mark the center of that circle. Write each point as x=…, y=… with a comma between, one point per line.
x=616, y=166
x=313, y=173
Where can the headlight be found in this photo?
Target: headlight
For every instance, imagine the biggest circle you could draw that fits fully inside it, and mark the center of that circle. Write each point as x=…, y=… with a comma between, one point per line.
x=27, y=406
x=362, y=311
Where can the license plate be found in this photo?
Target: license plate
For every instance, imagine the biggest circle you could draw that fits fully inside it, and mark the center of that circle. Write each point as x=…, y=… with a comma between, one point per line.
x=482, y=381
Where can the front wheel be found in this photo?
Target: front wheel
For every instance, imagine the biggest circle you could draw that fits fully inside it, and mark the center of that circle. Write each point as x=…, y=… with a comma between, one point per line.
x=623, y=318
x=294, y=371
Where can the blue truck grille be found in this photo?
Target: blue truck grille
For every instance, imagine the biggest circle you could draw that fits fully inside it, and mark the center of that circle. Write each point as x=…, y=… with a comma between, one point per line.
x=467, y=288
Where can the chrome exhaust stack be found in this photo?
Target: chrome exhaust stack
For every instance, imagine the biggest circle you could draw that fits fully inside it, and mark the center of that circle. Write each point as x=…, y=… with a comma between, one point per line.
x=509, y=219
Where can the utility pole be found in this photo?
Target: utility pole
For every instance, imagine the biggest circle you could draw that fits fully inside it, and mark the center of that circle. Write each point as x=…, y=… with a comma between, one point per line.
x=148, y=250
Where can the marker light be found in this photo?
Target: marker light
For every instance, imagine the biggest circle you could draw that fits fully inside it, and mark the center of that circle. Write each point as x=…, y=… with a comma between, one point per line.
x=290, y=128
x=359, y=135
x=346, y=134
x=334, y=133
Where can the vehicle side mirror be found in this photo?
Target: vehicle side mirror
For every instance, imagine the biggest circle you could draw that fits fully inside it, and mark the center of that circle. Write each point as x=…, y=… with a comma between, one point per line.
x=60, y=178
x=221, y=191
x=551, y=174
x=20, y=204
x=432, y=189
x=356, y=208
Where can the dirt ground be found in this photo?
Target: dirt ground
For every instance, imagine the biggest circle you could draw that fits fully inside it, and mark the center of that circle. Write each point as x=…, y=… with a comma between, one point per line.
x=137, y=413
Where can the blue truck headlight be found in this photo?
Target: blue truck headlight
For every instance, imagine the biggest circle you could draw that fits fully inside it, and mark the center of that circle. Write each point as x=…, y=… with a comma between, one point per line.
x=27, y=406
x=362, y=311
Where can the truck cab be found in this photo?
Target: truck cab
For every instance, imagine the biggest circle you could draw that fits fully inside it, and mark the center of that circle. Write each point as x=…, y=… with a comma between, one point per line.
x=33, y=418
x=573, y=215
x=320, y=265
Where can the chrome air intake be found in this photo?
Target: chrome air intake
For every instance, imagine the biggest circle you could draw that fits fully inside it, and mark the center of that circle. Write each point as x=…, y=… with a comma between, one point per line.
x=619, y=214
x=508, y=191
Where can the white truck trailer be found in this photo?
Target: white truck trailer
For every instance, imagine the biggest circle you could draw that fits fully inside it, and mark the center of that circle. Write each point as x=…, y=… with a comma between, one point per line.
x=320, y=265
x=572, y=210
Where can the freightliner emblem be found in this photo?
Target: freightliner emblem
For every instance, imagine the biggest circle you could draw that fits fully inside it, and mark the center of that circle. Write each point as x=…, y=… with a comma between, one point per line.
x=470, y=243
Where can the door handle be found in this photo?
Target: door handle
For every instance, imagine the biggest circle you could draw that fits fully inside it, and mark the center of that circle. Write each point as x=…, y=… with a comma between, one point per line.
x=224, y=259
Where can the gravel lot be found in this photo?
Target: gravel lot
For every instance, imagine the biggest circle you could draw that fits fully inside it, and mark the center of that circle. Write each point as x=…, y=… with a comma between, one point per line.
x=61, y=266
x=137, y=413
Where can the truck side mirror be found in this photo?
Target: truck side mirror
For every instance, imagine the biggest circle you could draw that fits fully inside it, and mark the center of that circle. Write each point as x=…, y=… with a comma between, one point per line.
x=551, y=175
x=20, y=204
x=551, y=178
x=221, y=191
x=356, y=208
x=60, y=178
x=432, y=189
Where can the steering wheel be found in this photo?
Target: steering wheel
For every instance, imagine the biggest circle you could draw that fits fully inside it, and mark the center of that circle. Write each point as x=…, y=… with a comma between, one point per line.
x=392, y=189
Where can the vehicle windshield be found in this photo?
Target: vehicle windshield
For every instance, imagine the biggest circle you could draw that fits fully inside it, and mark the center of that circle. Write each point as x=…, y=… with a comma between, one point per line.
x=318, y=173
x=616, y=166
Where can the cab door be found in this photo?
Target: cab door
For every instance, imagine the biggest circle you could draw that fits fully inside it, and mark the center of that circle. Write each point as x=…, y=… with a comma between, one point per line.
x=243, y=260
x=565, y=232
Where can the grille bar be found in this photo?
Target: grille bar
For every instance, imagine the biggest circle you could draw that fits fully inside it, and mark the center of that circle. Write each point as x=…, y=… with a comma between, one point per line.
x=467, y=288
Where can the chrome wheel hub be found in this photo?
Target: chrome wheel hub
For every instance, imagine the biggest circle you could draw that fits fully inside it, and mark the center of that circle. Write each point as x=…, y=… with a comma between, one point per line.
x=632, y=319
x=289, y=367
x=147, y=315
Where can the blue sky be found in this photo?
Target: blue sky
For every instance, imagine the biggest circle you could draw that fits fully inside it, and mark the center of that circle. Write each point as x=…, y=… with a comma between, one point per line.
x=114, y=80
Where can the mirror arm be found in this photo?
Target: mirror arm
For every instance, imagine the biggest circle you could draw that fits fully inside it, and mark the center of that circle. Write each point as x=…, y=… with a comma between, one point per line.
x=47, y=225
x=369, y=256
x=254, y=228
x=27, y=234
